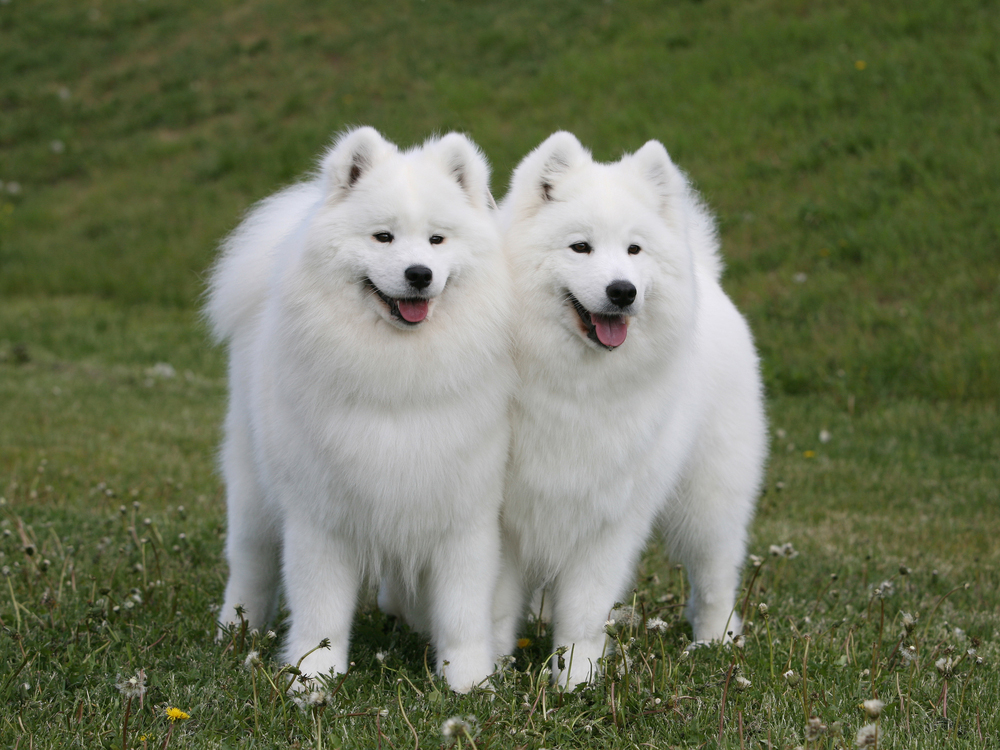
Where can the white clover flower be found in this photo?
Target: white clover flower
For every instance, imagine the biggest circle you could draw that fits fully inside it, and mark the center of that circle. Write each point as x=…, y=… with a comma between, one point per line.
x=824, y=436
x=742, y=683
x=867, y=736
x=657, y=625
x=873, y=708
x=380, y=657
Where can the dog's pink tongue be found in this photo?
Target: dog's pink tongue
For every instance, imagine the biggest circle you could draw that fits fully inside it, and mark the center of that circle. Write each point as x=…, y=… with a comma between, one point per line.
x=413, y=310
x=611, y=329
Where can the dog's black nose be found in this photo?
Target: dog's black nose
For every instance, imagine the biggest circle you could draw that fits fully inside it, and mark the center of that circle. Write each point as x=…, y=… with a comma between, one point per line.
x=621, y=293
x=420, y=277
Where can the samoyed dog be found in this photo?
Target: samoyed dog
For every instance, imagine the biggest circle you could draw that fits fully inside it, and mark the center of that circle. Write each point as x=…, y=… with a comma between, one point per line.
x=640, y=403
x=367, y=315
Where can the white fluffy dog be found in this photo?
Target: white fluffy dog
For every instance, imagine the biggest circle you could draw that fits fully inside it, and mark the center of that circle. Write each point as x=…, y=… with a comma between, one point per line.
x=640, y=403
x=367, y=314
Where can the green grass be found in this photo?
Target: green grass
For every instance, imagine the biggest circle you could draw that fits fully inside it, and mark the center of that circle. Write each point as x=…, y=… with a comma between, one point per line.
x=857, y=210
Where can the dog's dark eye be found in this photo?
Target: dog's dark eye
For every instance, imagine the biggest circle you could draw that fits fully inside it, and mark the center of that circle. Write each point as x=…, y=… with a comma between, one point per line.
x=383, y=236
x=634, y=249
x=581, y=247
x=436, y=239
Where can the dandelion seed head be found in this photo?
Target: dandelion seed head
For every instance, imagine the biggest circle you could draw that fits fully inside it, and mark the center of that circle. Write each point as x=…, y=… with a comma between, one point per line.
x=873, y=708
x=867, y=736
x=626, y=617
x=657, y=625
x=945, y=667
x=456, y=726
x=252, y=660
x=815, y=728
x=133, y=687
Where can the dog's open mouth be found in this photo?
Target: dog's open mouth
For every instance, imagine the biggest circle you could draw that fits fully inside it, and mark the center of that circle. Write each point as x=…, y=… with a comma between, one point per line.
x=607, y=330
x=411, y=310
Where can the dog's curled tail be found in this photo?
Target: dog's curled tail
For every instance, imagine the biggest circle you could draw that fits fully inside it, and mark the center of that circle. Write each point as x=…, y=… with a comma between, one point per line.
x=240, y=277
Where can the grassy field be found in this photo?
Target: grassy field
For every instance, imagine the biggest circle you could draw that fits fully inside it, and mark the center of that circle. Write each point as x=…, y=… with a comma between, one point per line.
x=852, y=154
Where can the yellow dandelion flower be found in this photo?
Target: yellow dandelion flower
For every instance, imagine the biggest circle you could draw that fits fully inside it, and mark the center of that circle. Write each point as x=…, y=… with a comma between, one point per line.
x=810, y=454
x=523, y=642
x=175, y=713
x=860, y=64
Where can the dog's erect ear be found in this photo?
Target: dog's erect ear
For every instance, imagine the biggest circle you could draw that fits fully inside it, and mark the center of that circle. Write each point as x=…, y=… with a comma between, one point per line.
x=538, y=175
x=466, y=164
x=655, y=166
x=351, y=156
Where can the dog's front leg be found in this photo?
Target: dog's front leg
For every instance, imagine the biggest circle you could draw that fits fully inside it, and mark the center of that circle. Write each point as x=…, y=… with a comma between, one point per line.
x=462, y=582
x=584, y=593
x=321, y=582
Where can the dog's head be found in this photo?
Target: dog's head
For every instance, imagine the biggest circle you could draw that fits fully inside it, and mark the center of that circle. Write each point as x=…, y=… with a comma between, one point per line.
x=604, y=240
x=402, y=225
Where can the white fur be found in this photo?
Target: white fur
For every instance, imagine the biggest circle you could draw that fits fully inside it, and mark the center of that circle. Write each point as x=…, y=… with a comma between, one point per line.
x=666, y=430
x=357, y=446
